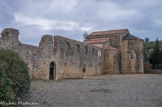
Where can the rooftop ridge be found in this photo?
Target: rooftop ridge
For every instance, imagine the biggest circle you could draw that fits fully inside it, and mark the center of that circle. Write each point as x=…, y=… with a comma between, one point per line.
x=118, y=31
x=110, y=30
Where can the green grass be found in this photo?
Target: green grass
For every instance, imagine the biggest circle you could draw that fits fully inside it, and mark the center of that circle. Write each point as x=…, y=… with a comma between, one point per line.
x=101, y=90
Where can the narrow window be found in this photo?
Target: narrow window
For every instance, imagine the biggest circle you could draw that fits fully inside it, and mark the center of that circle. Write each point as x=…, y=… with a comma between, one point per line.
x=78, y=48
x=99, y=53
x=131, y=54
x=91, y=65
x=93, y=51
x=86, y=50
x=65, y=65
x=84, y=69
x=84, y=65
x=67, y=46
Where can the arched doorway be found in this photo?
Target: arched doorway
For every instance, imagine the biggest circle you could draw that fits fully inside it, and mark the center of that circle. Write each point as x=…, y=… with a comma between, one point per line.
x=52, y=71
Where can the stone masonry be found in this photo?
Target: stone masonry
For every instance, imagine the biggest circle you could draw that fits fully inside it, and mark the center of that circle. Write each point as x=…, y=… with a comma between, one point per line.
x=56, y=57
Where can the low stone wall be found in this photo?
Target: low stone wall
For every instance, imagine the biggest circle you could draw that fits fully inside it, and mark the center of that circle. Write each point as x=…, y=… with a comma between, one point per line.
x=153, y=71
x=147, y=66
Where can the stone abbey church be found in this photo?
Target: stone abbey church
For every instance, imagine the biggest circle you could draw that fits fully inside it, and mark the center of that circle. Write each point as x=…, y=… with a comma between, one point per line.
x=57, y=57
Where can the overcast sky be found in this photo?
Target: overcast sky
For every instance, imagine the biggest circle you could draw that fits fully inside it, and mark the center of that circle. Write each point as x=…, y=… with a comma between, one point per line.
x=70, y=18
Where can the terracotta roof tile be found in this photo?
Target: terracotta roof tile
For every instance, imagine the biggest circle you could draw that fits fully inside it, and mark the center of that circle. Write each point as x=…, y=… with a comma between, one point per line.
x=96, y=41
x=120, y=31
x=110, y=47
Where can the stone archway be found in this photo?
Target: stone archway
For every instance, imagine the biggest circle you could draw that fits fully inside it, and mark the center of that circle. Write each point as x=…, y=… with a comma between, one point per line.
x=52, y=71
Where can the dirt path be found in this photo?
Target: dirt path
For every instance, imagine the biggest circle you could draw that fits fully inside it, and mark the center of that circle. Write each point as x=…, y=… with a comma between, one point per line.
x=137, y=90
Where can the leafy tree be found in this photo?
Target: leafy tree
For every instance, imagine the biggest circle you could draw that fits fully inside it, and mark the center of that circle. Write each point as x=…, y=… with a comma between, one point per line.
x=149, y=48
x=85, y=35
x=160, y=57
x=147, y=40
x=155, y=56
x=145, y=57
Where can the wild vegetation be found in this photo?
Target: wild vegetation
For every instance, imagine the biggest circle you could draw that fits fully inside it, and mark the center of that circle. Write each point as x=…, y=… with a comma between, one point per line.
x=153, y=52
x=14, y=76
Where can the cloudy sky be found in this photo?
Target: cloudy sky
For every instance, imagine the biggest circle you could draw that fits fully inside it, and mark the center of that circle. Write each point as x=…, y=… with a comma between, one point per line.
x=70, y=18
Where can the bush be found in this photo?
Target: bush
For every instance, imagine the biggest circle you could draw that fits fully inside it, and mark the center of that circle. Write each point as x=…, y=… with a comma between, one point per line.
x=14, y=76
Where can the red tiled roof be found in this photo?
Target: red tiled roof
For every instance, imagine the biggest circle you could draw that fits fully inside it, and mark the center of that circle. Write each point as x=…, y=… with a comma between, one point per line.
x=110, y=47
x=120, y=31
x=96, y=40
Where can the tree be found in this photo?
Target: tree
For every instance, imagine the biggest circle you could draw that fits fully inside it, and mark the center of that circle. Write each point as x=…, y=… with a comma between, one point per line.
x=155, y=56
x=85, y=35
x=147, y=40
x=160, y=57
x=147, y=47
x=145, y=57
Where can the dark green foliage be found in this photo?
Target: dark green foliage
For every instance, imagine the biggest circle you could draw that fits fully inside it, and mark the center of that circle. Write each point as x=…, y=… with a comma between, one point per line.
x=147, y=40
x=155, y=58
x=14, y=76
x=149, y=48
x=146, y=58
x=160, y=57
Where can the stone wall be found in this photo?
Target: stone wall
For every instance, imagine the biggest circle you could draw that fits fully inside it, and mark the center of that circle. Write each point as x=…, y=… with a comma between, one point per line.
x=74, y=56
x=111, y=61
x=115, y=41
x=66, y=58
x=132, y=56
x=153, y=71
x=36, y=57
x=69, y=56
x=147, y=66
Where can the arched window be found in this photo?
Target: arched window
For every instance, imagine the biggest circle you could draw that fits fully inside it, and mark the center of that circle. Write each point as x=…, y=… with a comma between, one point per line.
x=131, y=54
x=99, y=53
x=77, y=48
x=67, y=46
x=86, y=50
x=65, y=64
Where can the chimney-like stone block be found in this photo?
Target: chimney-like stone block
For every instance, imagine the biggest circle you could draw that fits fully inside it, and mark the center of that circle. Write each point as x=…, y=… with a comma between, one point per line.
x=10, y=33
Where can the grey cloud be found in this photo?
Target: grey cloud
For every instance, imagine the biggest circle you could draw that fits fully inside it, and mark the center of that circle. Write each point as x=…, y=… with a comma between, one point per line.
x=6, y=14
x=141, y=18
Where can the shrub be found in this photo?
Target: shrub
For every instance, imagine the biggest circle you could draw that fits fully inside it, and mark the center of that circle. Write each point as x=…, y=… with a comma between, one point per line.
x=14, y=76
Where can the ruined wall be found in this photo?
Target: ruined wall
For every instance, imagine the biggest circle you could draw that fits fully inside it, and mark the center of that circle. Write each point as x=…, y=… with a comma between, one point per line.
x=74, y=56
x=132, y=56
x=111, y=61
x=69, y=56
x=36, y=57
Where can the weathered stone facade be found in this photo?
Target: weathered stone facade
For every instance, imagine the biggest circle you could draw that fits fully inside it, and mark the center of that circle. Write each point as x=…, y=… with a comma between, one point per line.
x=123, y=52
x=59, y=57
